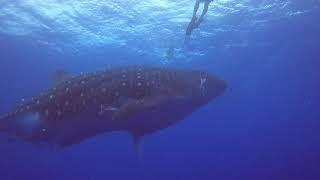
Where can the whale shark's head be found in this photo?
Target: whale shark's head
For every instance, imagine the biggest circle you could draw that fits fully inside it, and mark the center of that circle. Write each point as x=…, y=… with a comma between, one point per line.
x=203, y=86
x=211, y=86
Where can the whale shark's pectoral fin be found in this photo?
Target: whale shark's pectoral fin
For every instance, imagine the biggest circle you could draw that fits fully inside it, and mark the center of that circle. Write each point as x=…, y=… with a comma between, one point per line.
x=133, y=107
x=137, y=145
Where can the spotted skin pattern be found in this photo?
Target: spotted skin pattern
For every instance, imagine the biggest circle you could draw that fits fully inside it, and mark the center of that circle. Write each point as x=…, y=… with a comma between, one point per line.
x=115, y=95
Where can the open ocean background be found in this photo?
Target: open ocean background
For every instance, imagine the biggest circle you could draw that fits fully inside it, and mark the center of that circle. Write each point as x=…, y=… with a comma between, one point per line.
x=265, y=127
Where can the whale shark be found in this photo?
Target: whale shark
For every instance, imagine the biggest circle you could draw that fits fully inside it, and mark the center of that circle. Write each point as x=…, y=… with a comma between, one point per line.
x=139, y=100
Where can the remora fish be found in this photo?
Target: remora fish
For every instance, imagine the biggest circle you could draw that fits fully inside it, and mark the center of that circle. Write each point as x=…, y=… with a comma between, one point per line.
x=137, y=99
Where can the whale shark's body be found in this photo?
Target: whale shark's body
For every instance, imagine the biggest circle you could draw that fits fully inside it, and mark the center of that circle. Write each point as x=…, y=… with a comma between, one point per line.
x=137, y=99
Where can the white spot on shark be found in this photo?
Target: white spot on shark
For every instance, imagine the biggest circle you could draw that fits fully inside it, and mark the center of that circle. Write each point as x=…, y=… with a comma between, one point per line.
x=46, y=112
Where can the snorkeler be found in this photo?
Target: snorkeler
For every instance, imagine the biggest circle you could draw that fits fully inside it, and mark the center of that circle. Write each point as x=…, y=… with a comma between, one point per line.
x=170, y=53
x=195, y=22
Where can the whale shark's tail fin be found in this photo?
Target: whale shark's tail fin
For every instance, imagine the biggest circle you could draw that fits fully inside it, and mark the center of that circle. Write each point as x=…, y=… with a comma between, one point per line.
x=20, y=123
x=5, y=123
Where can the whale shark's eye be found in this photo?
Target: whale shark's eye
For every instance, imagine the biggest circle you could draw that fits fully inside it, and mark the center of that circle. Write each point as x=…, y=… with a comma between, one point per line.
x=202, y=86
x=203, y=81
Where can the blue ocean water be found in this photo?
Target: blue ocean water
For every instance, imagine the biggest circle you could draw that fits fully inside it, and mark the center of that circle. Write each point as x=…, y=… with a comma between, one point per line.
x=264, y=127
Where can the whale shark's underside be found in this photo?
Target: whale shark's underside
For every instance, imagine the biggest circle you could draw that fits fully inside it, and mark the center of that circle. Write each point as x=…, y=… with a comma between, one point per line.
x=138, y=99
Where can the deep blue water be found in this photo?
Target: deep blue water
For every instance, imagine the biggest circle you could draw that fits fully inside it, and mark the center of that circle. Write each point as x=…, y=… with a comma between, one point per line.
x=264, y=127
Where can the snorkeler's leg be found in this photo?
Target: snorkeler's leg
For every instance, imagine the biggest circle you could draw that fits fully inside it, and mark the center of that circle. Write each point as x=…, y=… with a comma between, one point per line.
x=204, y=12
x=195, y=9
x=205, y=8
x=193, y=19
x=191, y=24
x=186, y=40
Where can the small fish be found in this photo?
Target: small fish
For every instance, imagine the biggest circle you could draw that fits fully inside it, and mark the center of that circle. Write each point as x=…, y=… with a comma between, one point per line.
x=136, y=99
